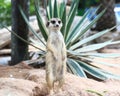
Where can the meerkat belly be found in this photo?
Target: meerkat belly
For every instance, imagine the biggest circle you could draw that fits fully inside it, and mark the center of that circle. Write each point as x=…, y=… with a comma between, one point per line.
x=58, y=47
x=58, y=64
x=54, y=67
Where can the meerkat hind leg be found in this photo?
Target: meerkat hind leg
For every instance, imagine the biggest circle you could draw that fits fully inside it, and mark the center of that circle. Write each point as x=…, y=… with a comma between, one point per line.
x=50, y=83
x=60, y=84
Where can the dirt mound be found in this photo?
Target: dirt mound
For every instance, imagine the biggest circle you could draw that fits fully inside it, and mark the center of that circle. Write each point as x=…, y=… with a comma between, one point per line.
x=76, y=86
x=18, y=87
x=19, y=81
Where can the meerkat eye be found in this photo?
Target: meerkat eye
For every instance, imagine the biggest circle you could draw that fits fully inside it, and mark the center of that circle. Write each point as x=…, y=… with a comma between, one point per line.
x=59, y=22
x=53, y=21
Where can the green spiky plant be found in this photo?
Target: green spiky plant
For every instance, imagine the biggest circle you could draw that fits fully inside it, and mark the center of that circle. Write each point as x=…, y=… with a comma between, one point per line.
x=97, y=93
x=78, y=56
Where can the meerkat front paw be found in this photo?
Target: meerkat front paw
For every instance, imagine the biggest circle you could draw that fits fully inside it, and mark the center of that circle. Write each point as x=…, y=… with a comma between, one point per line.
x=55, y=58
x=63, y=58
x=51, y=92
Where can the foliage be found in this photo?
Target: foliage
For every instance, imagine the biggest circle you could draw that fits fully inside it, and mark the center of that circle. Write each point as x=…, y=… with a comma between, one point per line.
x=32, y=11
x=5, y=9
x=79, y=56
x=89, y=3
x=86, y=4
x=5, y=12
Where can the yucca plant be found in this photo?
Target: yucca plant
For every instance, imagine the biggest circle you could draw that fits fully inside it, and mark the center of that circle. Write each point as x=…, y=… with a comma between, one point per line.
x=78, y=56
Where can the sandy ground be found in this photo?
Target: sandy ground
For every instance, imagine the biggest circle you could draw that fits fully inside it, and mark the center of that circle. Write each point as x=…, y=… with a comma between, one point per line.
x=21, y=81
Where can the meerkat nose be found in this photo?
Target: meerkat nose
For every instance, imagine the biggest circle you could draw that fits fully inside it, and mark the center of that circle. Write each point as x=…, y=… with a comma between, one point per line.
x=57, y=25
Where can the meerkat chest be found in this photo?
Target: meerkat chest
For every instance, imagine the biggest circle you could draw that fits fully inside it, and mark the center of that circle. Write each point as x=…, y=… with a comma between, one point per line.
x=57, y=39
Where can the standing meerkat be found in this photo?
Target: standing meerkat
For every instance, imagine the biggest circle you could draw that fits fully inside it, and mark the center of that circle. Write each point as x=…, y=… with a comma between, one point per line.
x=56, y=55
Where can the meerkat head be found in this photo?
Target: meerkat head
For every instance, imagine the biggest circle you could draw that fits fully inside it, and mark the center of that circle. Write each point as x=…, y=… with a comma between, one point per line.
x=54, y=24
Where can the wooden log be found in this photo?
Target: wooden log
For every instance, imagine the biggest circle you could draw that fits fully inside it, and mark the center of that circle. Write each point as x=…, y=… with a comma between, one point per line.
x=8, y=51
x=5, y=37
x=5, y=52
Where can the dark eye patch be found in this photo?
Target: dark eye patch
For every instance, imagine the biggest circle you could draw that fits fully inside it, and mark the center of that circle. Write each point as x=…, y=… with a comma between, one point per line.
x=59, y=22
x=53, y=21
x=47, y=24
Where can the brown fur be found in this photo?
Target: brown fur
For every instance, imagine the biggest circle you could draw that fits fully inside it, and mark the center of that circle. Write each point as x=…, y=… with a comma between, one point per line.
x=55, y=56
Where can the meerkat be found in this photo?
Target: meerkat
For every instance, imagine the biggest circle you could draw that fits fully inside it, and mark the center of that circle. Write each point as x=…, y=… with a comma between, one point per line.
x=55, y=56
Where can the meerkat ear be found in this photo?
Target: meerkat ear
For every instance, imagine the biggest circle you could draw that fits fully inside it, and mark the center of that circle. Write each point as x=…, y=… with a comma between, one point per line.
x=47, y=24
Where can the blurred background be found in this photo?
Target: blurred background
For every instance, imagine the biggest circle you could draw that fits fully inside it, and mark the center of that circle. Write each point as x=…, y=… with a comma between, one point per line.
x=84, y=5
